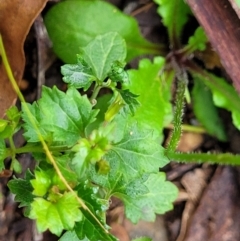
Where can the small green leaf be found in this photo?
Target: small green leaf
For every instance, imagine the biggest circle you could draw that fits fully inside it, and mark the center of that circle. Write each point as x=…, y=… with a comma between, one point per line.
x=84, y=21
x=60, y=117
x=154, y=90
x=77, y=75
x=117, y=73
x=22, y=188
x=224, y=95
x=56, y=216
x=13, y=114
x=102, y=51
x=206, y=111
x=42, y=182
x=174, y=15
x=2, y=153
x=197, y=41
x=16, y=166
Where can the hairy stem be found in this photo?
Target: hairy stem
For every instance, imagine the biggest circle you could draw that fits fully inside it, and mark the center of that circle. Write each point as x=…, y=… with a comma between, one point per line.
x=177, y=120
x=189, y=128
x=211, y=158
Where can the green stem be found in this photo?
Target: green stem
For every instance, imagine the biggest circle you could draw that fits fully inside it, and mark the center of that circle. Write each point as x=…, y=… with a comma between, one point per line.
x=95, y=93
x=211, y=158
x=188, y=128
x=177, y=121
x=36, y=148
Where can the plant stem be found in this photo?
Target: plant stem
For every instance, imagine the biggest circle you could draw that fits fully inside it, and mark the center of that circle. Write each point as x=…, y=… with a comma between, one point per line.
x=211, y=158
x=177, y=121
x=96, y=90
x=189, y=128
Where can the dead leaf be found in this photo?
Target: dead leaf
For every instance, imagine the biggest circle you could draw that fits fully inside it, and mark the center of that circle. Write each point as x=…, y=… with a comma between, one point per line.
x=189, y=141
x=16, y=18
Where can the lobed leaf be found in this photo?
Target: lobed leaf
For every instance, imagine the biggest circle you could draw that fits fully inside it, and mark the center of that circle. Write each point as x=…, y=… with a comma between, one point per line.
x=57, y=216
x=157, y=198
x=61, y=117
x=80, y=27
x=155, y=110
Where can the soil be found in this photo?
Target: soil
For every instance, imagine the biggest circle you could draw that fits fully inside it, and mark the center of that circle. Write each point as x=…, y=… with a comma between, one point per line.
x=207, y=207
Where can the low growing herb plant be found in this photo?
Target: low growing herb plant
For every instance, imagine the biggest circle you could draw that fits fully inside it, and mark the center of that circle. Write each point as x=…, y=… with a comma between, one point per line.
x=90, y=148
x=84, y=157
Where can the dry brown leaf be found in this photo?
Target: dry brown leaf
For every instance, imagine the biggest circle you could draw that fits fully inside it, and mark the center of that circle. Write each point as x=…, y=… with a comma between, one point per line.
x=16, y=18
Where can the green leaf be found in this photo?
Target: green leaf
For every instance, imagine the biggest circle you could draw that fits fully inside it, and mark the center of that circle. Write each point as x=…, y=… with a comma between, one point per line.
x=60, y=117
x=117, y=73
x=197, y=41
x=2, y=153
x=17, y=167
x=3, y=124
x=130, y=100
x=22, y=188
x=13, y=114
x=142, y=239
x=143, y=196
x=42, y=182
x=56, y=216
x=78, y=75
x=144, y=199
x=224, y=95
x=206, y=111
x=88, y=227
x=83, y=21
x=64, y=164
x=138, y=152
x=103, y=51
x=154, y=92
x=174, y=15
